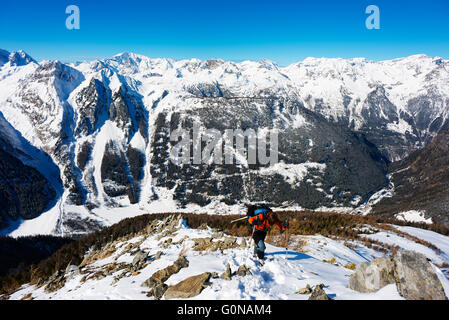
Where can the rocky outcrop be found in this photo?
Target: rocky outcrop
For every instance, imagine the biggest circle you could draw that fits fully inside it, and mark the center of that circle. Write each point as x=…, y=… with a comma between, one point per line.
x=20, y=58
x=370, y=277
x=202, y=244
x=410, y=271
x=93, y=101
x=189, y=287
x=55, y=282
x=156, y=281
x=243, y=271
x=227, y=274
x=306, y=290
x=140, y=258
x=415, y=278
x=318, y=293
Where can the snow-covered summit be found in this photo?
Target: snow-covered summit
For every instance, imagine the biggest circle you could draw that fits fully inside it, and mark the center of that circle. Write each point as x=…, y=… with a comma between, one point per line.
x=15, y=58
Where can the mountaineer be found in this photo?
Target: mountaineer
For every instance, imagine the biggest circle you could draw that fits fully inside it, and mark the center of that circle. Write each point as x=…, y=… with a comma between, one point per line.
x=262, y=218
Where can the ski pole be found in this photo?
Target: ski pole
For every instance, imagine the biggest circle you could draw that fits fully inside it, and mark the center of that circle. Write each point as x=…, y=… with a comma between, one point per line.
x=254, y=228
x=286, y=237
x=251, y=239
x=239, y=219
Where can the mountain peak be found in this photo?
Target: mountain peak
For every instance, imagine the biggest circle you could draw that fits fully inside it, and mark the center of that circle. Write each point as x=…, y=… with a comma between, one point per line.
x=123, y=56
x=20, y=58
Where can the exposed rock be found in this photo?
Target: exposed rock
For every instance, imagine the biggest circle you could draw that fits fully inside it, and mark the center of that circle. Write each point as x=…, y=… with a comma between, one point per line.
x=306, y=290
x=72, y=271
x=415, y=277
x=96, y=255
x=161, y=276
x=139, y=258
x=55, y=282
x=158, y=255
x=370, y=277
x=243, y=271
x=158, y=291
x=203, y=226
x=29, y=296
x=227, y=274
x=189, y=287
x=412, y=273
x=319, y=293
x=166, y=243
x=202, y=243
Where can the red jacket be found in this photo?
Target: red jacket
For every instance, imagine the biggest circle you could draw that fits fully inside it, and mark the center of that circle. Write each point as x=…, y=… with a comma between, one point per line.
x=261, y=223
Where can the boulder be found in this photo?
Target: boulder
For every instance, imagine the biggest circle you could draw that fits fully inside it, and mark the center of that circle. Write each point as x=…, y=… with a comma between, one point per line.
x=370, y=277
x=415, y=277
x=227, y=274
x=139, y=258
x=243, y=271
x=306, y=290
x=202, y=244
x=188, y=288
x=412, y=273
x=318, y=293
x=162, y=275
x=55, y=282
x=158, y=291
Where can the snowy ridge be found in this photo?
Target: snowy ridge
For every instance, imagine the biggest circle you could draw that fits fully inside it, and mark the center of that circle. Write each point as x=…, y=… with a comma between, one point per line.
x=321, y=260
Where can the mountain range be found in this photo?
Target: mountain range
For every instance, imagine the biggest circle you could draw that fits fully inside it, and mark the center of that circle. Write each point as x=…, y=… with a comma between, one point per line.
x=84, y=145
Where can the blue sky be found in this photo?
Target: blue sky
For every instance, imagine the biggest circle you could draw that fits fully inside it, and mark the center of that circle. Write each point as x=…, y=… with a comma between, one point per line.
x=279, y=30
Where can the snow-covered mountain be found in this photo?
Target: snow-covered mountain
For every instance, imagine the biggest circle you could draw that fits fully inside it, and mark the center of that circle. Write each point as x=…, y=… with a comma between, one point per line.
x=106, y=124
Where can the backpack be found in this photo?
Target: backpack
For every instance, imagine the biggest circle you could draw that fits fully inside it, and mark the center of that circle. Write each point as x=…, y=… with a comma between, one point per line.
x=257, y=209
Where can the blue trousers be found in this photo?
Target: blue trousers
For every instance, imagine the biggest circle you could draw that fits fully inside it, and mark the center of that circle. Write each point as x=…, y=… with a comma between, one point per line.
x=259, y=244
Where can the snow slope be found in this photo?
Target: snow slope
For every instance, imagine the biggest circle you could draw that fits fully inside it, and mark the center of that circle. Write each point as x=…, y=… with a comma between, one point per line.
x=283, y=274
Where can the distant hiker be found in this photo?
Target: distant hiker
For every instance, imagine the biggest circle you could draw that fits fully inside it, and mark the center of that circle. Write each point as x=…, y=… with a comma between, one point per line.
x=262, y=218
